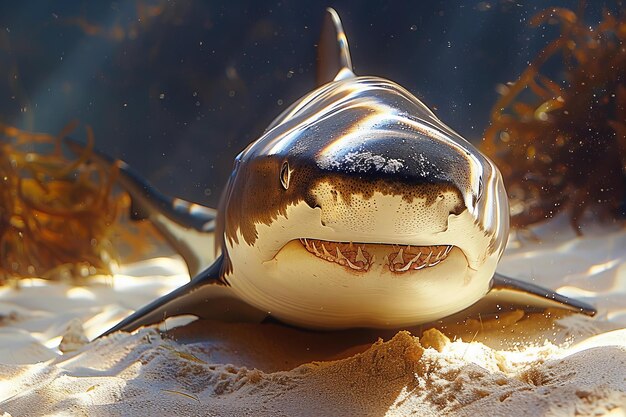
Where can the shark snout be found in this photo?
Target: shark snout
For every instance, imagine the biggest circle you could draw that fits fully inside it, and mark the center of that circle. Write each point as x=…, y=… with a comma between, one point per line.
x=387, y=210
x=407, y=159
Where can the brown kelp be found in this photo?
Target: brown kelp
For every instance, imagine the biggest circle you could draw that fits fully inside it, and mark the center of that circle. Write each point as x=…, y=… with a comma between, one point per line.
x=55, y=212
x=560, y=142
x=58, y=214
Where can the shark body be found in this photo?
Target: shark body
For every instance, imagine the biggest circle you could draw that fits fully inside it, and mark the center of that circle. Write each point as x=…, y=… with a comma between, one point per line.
x=357, y=207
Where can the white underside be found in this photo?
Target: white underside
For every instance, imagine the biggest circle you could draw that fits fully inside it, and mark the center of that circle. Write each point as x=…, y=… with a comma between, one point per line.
x=279, y=276
x=331, y=296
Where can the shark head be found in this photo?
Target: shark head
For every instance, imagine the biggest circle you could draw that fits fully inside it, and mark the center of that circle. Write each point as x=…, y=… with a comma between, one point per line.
x=359, y=207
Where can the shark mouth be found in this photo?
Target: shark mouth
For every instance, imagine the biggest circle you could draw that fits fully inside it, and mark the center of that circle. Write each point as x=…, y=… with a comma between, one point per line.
x=361, y=256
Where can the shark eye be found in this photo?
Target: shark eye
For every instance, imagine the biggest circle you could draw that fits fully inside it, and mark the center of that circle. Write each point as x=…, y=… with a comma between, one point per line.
x=285, y=175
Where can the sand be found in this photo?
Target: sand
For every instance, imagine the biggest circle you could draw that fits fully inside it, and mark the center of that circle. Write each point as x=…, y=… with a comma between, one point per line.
x=493, y=363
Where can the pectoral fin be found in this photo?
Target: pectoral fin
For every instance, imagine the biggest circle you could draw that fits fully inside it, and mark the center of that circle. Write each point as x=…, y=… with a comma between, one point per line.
x=180, y=301
x=531, y=295
x=204, y=296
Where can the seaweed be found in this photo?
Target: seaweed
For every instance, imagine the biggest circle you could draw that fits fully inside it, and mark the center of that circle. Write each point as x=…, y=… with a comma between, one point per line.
x=561, y=144
x=59, y=215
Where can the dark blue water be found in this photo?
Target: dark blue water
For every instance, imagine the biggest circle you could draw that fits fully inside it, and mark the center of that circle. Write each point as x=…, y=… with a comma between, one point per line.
x=178, y=88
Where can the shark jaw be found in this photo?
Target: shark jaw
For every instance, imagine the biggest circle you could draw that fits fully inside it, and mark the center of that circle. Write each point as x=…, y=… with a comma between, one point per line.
x=360, y=257
x=375, y=279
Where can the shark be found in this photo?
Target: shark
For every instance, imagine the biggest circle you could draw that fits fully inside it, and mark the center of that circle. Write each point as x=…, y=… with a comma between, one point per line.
x=357, y=207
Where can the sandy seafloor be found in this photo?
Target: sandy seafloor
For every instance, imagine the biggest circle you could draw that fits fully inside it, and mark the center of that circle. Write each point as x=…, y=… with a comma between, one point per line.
x=492, y=364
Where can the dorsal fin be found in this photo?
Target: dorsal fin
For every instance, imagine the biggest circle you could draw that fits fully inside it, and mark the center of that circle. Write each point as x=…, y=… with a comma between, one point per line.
x=333, y=54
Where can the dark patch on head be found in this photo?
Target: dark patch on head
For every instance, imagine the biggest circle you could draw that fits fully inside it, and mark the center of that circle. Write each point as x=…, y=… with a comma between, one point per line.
x=257, y=196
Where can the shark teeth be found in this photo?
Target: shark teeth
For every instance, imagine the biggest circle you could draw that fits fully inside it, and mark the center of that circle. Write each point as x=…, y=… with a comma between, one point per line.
x=357, y=257
x=349, y=255
x=419, y=257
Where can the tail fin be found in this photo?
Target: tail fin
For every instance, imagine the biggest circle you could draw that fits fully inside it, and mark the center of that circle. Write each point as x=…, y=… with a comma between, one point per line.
x=187, y=226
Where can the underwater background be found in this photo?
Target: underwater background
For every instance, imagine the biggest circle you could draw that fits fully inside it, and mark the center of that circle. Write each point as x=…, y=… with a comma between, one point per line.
x=178, y=88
